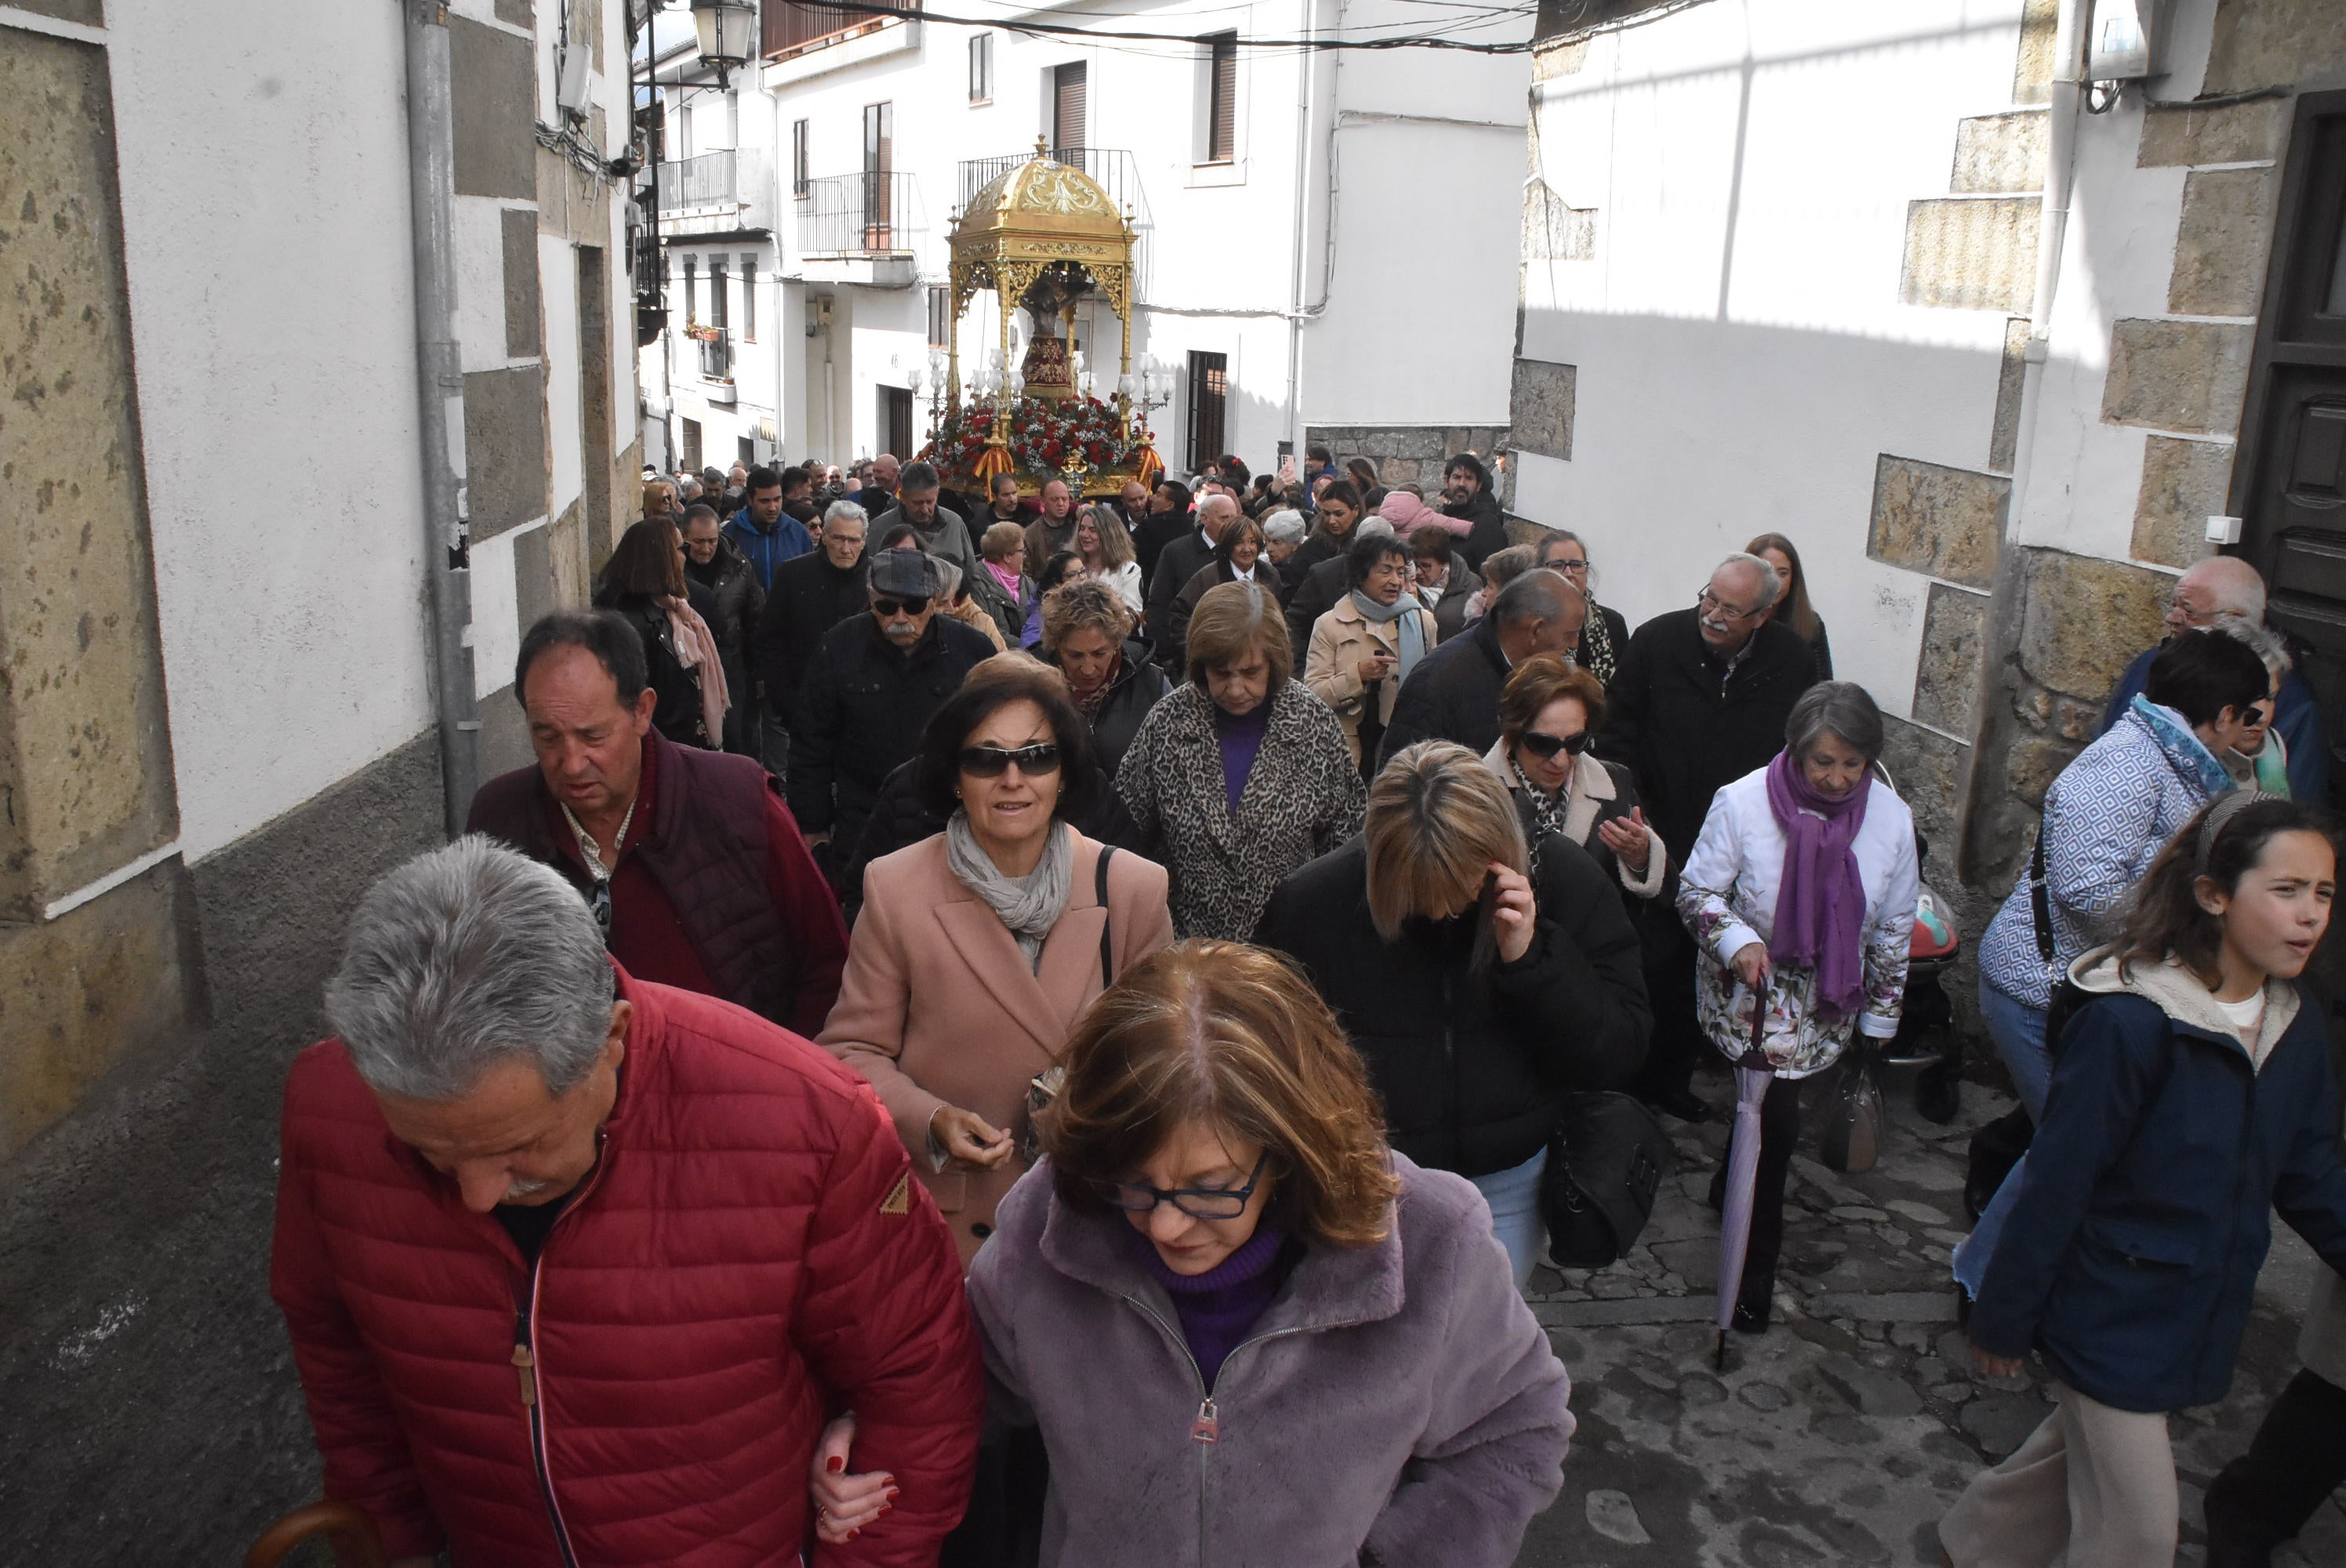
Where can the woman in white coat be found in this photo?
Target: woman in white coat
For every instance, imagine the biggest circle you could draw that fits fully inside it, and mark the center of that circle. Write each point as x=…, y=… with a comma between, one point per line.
x=1800, y=896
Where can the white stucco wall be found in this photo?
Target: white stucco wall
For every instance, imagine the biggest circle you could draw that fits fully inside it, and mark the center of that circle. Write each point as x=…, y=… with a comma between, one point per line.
x=265, y=221
x=1743, y=359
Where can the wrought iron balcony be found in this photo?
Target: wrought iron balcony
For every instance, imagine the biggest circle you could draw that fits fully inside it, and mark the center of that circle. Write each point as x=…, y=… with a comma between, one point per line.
x=715, y=192
x=861, y=215
x=792, y=27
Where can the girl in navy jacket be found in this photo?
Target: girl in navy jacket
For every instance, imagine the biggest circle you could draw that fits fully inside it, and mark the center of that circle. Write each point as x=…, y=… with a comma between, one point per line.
x=2192, y=1093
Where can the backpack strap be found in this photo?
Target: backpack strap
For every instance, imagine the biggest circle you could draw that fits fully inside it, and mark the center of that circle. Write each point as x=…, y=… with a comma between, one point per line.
x=1107, y=921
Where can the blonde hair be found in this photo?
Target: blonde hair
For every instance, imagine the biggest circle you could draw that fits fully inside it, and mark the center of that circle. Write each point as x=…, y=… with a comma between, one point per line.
x=1116, y=543
x=1232, y=619
x=1073, y=606
x=1000, y=540
x=1233, y=1037
x=1437, y=819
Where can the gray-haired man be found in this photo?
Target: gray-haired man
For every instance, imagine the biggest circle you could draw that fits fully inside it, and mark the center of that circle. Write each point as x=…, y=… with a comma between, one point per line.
x=575, y=1266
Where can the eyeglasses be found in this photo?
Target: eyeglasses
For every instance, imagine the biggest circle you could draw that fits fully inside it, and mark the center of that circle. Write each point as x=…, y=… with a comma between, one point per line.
x=1545, y=747
x=1579, y=565
x=993, y=761
x=888, y=609
x=1710, y=603
x=2257, y=715
x=1196, y=1202
x=598, y=899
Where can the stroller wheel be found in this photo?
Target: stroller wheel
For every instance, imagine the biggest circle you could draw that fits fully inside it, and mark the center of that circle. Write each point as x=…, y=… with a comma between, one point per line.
x=1938, y=1093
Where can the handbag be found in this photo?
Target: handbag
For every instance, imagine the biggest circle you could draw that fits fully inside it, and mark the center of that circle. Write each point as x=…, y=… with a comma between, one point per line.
x=1853, y=1134
x=1043, y=1086
x=1605, y=1160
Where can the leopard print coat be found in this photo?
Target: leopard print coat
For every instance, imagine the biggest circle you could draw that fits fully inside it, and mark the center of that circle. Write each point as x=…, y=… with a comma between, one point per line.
x=1304, y=797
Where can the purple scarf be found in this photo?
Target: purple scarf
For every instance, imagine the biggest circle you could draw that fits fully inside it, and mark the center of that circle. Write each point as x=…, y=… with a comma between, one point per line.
x=1820, y=901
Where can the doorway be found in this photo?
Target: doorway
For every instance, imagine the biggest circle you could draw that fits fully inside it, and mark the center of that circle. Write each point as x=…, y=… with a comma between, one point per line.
x=896, y=422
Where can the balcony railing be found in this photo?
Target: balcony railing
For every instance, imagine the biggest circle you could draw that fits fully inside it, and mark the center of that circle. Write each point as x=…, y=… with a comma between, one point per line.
x=727, y=189
x=792, y=27
x=876, y=214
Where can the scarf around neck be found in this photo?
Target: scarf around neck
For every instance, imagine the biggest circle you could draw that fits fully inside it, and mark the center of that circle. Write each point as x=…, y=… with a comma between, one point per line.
x=1412, y=635
x=1597, y=640
x=1029, y=905
x=1821, y=898
x=2182, y=746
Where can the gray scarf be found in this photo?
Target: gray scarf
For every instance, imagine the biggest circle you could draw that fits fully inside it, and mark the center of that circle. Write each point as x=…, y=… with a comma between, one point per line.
x=1029, y=905
x=1412, y=631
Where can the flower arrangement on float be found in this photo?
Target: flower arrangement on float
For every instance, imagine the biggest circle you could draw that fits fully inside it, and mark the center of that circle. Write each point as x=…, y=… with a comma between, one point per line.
x=1040, y=439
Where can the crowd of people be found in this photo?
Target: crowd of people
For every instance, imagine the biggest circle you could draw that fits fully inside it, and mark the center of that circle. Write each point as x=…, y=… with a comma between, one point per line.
x=1049, y=1017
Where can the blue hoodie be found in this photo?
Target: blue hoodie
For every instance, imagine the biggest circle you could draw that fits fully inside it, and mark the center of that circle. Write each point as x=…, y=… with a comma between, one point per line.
x=788, y=542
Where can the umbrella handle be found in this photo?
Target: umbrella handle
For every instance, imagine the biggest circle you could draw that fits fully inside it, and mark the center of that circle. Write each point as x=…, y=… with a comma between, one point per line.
x=317, y=1519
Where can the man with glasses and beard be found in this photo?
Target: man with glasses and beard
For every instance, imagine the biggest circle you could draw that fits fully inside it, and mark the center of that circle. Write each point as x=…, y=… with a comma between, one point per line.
x=870, y=688
x=1700, y=699
x=693, y=866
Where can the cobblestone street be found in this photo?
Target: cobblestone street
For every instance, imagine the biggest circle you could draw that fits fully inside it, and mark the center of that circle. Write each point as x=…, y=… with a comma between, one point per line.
x=1843, y=1433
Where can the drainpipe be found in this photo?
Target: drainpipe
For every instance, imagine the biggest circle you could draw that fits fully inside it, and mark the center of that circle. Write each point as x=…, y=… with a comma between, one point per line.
x=1306, y=107
x=439, y=391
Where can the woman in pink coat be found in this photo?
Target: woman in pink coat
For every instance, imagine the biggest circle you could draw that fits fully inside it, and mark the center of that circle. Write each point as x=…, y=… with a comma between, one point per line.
x=978, y=948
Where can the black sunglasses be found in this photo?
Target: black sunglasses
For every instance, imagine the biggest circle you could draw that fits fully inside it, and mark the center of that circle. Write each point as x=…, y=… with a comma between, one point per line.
x=1545, y=747
x=992, y=761
x=887, y=607
x=1197, y=1202
x=598, y=899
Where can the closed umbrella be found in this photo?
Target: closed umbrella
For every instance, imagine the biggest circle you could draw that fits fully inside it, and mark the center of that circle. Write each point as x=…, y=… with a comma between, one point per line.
x=1752, y=1075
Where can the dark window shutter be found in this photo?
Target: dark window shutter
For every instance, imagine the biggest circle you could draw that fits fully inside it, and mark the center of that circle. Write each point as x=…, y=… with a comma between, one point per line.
x=1222, y=134
x=1068, y=82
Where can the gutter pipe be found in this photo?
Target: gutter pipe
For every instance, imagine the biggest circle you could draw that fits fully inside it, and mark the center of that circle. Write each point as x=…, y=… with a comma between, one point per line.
x=439, y=392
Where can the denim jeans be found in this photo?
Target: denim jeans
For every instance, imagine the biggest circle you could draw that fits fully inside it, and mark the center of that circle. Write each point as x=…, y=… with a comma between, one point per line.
x=1513, y=1197
x=2018, y=1031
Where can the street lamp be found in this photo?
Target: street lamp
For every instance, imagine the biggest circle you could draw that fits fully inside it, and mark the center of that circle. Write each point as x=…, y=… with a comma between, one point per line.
x=729, y=35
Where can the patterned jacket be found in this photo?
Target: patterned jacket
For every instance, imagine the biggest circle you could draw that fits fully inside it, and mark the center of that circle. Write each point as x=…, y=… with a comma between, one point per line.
x=1304, y=797
x=2107, y=816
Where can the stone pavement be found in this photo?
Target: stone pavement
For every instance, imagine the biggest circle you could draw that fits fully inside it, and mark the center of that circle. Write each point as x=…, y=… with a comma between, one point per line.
x=1843, y=1433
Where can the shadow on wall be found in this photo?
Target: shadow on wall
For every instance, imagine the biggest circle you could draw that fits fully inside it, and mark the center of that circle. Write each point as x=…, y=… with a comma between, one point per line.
x=148, y=1400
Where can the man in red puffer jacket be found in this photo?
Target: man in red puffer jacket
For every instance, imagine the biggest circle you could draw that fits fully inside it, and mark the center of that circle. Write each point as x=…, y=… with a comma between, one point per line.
x=575, y=1267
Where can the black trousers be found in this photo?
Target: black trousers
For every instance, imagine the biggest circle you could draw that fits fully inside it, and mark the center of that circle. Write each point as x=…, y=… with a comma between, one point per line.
x=1003, y=1526
x=2296, y=1461
x=1780, y=1135
x=1678, y=1037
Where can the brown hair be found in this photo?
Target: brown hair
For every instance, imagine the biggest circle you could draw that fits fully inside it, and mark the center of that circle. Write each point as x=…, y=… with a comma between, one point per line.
x=1073, y=606
x=1501, y=568
x=1234, y=1037
x=1795, y=612
x=1437, y=818
x=2223, y=842
x=659, y=498
x=1230, y=619
x=1540, y=680
x=648, y=560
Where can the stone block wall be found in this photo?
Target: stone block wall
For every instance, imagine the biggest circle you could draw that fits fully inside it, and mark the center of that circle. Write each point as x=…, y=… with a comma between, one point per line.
x=1409, y=453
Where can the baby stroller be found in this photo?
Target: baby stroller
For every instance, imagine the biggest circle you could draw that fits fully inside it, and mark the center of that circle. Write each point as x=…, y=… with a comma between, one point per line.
x=1926, y=1037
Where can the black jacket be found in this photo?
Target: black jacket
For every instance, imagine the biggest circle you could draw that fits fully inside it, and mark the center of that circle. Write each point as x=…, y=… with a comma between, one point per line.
x=1154, y=532
x=865, y=705
x=1449, y=612
x=1318, y=546
x=677, y=712
x=1490, y=530
x=1176, y=565
x=1451, y=695
x=810, y=597
x=1137, y=690
x=1173, y=646
x=1323, y=585
x=1472, y=1069
x=730, y=578
x=1685, y=728
x=1619, y=629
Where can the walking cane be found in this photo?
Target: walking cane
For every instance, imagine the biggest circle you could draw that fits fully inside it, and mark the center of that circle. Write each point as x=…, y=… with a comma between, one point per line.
x=314, y=1519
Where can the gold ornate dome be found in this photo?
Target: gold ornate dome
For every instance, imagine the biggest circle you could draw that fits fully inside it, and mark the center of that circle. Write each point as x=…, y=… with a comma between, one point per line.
x=1045, y=196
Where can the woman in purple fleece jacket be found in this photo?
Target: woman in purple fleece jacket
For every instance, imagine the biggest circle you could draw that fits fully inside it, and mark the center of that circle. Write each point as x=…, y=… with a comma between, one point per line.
x=1251, y=1335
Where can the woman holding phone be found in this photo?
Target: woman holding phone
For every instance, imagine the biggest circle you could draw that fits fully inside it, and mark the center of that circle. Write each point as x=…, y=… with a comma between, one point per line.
x=1481, y=977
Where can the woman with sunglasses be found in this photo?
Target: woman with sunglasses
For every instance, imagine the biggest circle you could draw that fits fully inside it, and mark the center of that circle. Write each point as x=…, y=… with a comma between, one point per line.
x=978, y=947
x=1549, y=713
x=1799, y=895
x=1246, y=1330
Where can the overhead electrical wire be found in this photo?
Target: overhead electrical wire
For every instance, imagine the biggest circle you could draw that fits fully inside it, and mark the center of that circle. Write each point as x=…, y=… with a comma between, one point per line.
x=1316, y=45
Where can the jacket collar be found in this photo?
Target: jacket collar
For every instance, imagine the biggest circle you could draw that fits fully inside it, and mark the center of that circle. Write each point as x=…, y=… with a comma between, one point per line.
x=2178, y=992
x=1588, y=790
x=1332, y=1287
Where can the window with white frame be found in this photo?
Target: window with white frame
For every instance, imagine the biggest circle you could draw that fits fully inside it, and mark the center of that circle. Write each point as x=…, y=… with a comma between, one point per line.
x=1219, y=110
x=981, y=68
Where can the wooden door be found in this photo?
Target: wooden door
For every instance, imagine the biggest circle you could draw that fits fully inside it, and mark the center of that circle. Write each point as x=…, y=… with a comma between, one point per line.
x=2289, y=485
